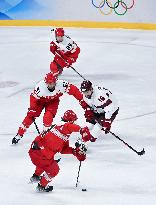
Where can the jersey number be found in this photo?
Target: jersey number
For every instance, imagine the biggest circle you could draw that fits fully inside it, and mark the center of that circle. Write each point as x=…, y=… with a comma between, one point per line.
x=101, y=98
x=69, y=46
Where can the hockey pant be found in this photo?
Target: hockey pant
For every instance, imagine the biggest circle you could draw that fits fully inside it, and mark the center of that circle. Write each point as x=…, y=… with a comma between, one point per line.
x=58, y=64
x=50, y=112
x=48, y=166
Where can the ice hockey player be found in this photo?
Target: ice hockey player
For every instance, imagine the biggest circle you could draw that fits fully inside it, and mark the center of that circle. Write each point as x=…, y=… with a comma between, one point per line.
x=100, y=107
x=66, y=52
x=46, y=95
x=44, y=148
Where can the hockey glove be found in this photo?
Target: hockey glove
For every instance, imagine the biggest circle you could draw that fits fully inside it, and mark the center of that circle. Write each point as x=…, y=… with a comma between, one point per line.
x=81, y=145
x=69, y=62
x=89, y=115
x=81, y=156
x=86, y=136
x=53, y=47
x=107, y=125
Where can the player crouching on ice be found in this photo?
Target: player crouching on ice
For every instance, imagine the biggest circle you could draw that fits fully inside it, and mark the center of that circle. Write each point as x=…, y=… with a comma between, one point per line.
x=46, y=95
x=66, y=52
x=44, y=148
x=100, y=107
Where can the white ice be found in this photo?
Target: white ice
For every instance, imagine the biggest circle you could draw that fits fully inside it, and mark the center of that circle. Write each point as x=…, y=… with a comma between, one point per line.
x=123, y=61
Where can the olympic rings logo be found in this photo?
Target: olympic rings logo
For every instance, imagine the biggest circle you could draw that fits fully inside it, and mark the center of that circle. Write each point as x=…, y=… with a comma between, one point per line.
x=120, y=7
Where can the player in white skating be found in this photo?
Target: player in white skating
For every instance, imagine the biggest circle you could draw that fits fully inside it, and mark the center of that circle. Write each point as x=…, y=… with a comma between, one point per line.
x=100, y=107
x=66, y=52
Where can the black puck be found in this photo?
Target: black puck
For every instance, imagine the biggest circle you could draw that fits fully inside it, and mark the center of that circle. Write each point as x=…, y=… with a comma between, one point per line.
x=84, y=189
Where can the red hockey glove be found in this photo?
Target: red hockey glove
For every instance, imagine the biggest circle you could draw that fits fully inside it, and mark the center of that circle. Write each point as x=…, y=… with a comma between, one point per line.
x=53, y=47
x=89, y=115
x=80, y=155
x=69, y=62
x=86, y=136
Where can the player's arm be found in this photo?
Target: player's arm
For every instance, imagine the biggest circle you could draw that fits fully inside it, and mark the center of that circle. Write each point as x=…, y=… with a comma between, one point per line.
x=84, y=131
x=80, y=150
x=53, y=47
x=74, y=91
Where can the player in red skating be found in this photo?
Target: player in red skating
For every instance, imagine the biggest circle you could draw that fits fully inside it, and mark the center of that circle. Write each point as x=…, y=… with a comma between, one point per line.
x=45, y=146
x=46, y=95
x=65, y=52
x=100, y=107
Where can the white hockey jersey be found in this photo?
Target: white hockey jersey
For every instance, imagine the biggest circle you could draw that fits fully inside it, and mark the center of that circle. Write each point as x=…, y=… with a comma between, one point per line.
x=41, y=90
x=67, y=45
x=102, y=101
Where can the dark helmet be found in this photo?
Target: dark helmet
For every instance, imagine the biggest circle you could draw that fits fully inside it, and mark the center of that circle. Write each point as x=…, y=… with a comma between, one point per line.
x=86, y=85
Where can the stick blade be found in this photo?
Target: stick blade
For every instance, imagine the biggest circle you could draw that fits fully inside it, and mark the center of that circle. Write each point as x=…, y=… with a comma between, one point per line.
x=141, y=152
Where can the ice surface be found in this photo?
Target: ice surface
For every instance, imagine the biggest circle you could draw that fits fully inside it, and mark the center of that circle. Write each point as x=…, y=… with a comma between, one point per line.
x=121, y=60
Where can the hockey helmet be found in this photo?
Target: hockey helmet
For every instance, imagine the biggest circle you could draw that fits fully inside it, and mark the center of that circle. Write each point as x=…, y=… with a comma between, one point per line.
x=69, y=116
x=50, y=78
x=86, y=85
x=59, y=32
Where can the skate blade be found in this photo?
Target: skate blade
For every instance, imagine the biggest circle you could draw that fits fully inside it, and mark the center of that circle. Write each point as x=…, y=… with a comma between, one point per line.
x=33, y=182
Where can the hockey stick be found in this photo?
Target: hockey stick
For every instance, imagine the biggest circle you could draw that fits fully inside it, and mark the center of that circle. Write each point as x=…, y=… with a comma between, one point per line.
x=139, y=153
x=44, y=132
x=77, y=72
x=36, y=126
x=77, y=181
x=72, y=67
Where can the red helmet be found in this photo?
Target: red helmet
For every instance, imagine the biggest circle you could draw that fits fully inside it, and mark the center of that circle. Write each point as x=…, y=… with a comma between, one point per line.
x=59, y=32
x=69, y=115
x=86, y=85
x=50, y=78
